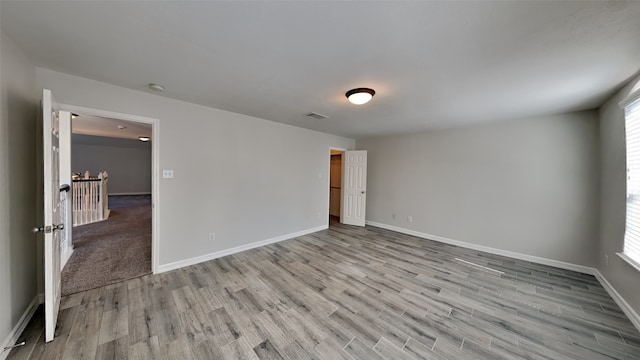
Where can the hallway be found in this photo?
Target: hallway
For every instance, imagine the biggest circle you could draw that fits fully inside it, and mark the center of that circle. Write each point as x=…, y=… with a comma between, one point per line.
x=113, y=250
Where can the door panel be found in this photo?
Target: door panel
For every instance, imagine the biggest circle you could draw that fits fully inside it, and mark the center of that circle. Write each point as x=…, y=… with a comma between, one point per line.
x=52, y=214
x=354, y=187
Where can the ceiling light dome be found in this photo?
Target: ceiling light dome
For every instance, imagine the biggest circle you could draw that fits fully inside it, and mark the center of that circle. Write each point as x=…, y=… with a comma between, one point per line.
x=156, y=87
x=360, y=96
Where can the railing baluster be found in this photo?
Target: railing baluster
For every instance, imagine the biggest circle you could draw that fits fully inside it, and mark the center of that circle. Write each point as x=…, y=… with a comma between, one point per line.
x=89, y=200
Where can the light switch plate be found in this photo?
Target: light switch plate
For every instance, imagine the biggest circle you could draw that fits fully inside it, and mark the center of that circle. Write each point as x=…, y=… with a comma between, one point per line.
x=167, y=174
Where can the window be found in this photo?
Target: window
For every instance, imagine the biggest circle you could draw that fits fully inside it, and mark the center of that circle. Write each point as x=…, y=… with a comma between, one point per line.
x=631, y=251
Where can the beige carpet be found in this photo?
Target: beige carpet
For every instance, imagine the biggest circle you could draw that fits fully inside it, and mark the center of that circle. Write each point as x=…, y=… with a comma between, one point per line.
x=113, y=250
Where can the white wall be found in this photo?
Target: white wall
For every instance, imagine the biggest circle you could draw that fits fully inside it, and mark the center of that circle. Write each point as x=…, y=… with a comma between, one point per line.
x=244, y=178
x=527, y=186
x=127, y=161
x=18, y=107
x=620, y=274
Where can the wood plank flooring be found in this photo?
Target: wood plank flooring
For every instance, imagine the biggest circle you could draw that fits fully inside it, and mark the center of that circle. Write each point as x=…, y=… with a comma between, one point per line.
x=344, y=293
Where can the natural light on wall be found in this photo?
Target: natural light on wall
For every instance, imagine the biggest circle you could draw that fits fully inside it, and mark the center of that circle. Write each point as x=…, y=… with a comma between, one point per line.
x=631, y=251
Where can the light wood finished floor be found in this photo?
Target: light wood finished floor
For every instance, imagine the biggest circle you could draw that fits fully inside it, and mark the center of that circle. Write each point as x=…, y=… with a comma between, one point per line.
x=344, y=293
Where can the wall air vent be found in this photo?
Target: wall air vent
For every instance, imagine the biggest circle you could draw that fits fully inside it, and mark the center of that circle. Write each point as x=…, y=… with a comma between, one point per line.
x=315, y=115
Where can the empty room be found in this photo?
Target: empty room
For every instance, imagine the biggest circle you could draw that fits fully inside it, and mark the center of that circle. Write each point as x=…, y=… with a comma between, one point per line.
x=322, y=180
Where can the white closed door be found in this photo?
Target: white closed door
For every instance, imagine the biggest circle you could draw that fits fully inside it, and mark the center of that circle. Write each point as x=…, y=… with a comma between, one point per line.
x=53, y=218
x=354, y=187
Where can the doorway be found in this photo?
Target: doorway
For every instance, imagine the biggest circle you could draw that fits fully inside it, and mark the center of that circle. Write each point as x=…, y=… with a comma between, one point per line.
x=335, y=185
x=122, y=245
x=347, y=186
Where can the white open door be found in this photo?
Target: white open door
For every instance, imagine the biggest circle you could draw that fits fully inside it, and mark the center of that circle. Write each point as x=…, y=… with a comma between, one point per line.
x=354, y=187
x=52, y=214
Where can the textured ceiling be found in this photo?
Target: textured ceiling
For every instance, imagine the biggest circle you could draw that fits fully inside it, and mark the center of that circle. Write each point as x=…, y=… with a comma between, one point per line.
x=432, y=64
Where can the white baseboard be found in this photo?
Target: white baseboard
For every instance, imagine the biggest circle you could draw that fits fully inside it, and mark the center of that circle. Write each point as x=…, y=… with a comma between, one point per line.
x=129, y=193
x=511, y=254
x=624, y=305
x=17, y=330
x=234, y=250
x=626, y=308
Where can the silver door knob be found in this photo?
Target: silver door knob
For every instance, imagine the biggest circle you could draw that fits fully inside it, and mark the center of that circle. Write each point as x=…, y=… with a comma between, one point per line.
x=47, y=229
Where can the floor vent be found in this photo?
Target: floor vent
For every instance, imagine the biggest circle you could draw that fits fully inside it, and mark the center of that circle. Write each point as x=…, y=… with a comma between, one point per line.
x=315, y=115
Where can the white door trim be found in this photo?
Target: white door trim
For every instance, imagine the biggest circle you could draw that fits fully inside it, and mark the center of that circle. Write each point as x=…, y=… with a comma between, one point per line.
x=65, y=178
x=155, y=161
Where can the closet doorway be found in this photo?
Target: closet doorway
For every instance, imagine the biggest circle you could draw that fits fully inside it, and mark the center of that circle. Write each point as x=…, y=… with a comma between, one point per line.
x=335, y=184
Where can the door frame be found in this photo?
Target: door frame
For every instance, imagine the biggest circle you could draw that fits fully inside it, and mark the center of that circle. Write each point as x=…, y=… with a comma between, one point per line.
x=64, y=126
x=329, y=181
x=155, y=161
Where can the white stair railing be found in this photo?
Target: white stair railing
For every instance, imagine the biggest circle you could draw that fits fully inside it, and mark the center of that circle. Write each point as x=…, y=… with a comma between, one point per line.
x=90, y=200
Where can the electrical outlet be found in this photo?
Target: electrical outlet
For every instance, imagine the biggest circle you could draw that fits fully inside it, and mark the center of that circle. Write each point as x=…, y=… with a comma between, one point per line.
x=167, y=174
x=410, y=218
x=606, y=259
x=212, y=236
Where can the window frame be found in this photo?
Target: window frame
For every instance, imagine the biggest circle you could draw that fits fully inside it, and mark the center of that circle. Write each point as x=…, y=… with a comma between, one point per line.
x=633, y=99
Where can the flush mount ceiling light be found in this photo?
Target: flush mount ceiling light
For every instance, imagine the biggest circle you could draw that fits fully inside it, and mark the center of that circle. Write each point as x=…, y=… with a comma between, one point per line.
x=144, y=138
x=156, y=87
x=73, y=116
x=360, y=96
x=121, y=127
